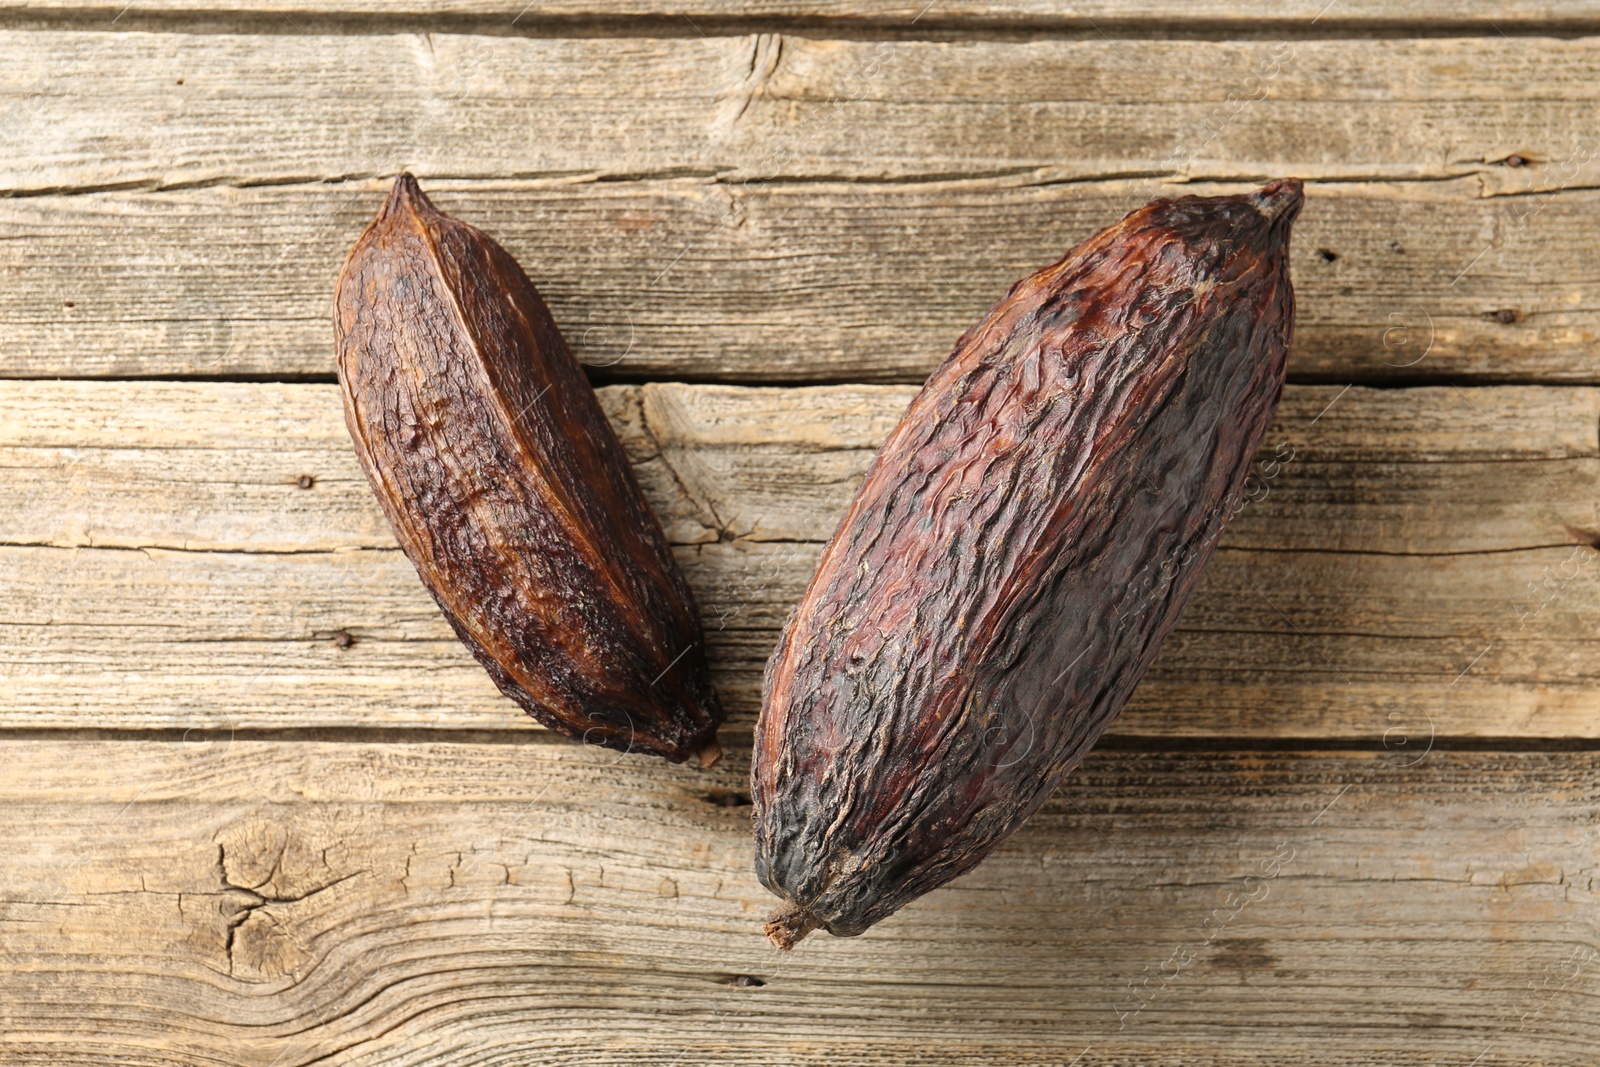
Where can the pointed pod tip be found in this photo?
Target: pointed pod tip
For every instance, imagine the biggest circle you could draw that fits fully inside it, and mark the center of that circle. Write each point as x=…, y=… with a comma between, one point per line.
x=1280, y=201
x=789, y=925
x=407, y=196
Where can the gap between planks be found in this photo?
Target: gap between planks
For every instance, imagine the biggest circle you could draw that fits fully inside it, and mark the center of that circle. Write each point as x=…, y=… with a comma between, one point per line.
x=739, y=737
x=932, y=23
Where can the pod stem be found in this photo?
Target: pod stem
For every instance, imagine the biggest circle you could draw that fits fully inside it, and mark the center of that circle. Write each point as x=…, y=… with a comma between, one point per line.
x=710, y=754
x=787, y=926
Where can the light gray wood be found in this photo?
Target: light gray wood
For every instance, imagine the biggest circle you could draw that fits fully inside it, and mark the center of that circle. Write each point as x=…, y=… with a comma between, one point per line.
x=216, y=465
x=761, y=281
x=94, y=110
x=1411, y=560
x=257, y=902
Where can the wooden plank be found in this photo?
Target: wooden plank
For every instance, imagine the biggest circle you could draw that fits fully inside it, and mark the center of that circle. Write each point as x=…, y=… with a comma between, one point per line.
x=695, y=279
x=1276, y=645
x=217, y=465
x=1409, y=565
x=1243, y=19
x=290, y=903
x=84, y=111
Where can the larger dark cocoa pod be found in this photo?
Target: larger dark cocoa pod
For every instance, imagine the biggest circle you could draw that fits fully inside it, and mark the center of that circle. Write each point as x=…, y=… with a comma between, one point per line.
x=508, y=490
x=1021, y=545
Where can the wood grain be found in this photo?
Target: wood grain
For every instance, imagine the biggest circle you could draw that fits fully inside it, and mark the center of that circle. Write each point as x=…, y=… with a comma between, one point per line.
x=786, y=191
x=85, y=111
x=698, y=279
x=256, y=902
x=1411, y=564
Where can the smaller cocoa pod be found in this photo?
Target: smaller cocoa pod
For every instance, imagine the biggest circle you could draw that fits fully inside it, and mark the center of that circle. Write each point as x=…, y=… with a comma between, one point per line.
x=508, y=490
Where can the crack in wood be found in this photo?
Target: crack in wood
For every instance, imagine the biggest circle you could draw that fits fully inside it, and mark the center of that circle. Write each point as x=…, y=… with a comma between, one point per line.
x=248, y=900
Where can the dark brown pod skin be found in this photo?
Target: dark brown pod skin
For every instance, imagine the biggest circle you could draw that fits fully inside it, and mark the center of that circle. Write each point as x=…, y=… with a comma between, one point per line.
x=508, y=490
x=1021, y=545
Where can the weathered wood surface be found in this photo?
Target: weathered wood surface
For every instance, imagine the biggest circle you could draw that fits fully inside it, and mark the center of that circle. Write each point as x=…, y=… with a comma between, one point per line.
x=699, y=279
x=88, y=110
x=1414, y=562
x=1246, y=18
x=237, y=902
x=217, y=465
x=320, y=872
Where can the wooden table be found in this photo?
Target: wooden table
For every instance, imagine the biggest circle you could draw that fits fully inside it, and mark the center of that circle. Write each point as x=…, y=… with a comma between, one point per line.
x=258, y=805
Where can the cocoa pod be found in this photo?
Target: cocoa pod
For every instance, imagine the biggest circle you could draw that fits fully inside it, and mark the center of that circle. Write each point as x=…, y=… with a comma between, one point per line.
x=1022, y=543
x=508, y=490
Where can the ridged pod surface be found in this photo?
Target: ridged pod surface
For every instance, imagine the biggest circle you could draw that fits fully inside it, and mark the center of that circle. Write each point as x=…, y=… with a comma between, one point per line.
x=508, y=490
x=1022, y=543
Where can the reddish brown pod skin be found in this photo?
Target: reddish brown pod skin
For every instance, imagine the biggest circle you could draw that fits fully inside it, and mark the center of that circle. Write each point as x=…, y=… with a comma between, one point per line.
x=508, y=490
x=1021, y=545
